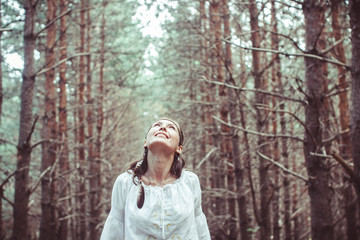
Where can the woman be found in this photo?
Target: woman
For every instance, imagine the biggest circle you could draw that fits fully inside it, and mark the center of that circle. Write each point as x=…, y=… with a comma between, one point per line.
x=156, y=198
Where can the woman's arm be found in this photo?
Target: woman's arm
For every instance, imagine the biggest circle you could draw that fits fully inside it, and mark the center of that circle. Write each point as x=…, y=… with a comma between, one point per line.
x=114, y=225
x=200, y=218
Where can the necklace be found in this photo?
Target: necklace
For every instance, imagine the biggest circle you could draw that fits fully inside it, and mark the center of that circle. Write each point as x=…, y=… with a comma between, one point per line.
x=160, y=184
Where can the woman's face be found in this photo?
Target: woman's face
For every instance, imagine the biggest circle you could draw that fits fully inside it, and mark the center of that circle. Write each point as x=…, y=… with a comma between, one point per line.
x=164, y=136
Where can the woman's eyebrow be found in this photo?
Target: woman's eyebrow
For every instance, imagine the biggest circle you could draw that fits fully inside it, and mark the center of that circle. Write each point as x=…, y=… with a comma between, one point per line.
x=172, y=125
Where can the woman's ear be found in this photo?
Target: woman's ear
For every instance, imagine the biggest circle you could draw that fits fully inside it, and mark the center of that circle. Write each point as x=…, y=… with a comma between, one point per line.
x=179, y=149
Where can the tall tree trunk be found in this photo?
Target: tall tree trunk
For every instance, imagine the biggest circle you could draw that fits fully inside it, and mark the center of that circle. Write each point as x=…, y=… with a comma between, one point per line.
x=325, y=113
x=345, y=144
x=243, y=171
x=355, y=93
x=63, y=185
x=345, y=147
x=265, y=191
x=217, y=176
x=228, y=140
x=246, y=172
x=99, y=108
x=276, y=87
x=222, y=134
x=317, y=167
x=2, y=233
x=237, y=172
x=75, y=190
x=21, y=198
x=48, y=205
x=205, y=117
x=239, y=163
x=286, y=181
x=301, y=218
x=93, y=168
x=81, y=133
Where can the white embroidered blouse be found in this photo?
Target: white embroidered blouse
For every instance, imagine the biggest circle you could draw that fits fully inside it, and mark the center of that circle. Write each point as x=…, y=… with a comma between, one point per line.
x=169, y=212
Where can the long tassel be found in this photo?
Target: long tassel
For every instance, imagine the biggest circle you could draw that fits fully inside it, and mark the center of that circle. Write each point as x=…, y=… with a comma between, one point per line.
x=141, y=196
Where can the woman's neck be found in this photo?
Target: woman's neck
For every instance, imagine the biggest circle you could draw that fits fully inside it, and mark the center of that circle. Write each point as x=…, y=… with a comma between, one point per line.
x=159, y=166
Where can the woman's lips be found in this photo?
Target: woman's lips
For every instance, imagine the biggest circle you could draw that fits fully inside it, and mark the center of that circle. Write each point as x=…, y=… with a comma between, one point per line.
x=157, y=134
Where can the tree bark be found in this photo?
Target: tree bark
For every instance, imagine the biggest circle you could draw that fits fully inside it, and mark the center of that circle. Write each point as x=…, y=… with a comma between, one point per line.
x=354, y=7
x=345, y=147
x=218, y=174
x=317, y=167
x=286, y=181
x=325, y=110
x=21, y=198
x=99, y=110
x=205, y=97
x=81, y=133
x=63, y=185
x=93, y=175
x=48, y=205
x=277, y=87
x=265, y=189
x=243, y=171
x=2, y=232
x=238, y=169
x=228, y=140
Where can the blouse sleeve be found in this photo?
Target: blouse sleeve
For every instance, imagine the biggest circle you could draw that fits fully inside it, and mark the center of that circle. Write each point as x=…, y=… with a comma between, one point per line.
x=200, y=218
x=114, y=225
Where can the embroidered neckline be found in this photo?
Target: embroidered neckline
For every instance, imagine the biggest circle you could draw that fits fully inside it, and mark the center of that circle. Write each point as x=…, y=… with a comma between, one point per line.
x=166, y=185
x=160, y=184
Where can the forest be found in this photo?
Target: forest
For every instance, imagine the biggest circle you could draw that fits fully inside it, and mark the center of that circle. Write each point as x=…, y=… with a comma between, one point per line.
x=267, y=92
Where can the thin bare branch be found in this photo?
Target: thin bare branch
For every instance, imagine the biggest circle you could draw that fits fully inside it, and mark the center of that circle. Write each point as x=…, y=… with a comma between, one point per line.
x=10, y=176
x=294, y=116
x=292, y=54
x=333, y=46
x=282, y=167
x=8, y=200
x=32, y=130
x=343, y=163
x=59, y=63
x=322, y=155
x=336, y=136
x=256, y=90
x=38, y=143
x=5, y=29
x=255, y=132
x=31, y=190
x=208, y=155
x=53, y=21
x=8, y=142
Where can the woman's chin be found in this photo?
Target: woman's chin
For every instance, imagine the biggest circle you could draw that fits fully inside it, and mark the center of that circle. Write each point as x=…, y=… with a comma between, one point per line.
x=161, y=146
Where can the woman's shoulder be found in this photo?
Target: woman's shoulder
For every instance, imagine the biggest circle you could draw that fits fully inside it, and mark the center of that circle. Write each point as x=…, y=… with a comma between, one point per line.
x=124, y=178
x=191, y=179
x=190, y=176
